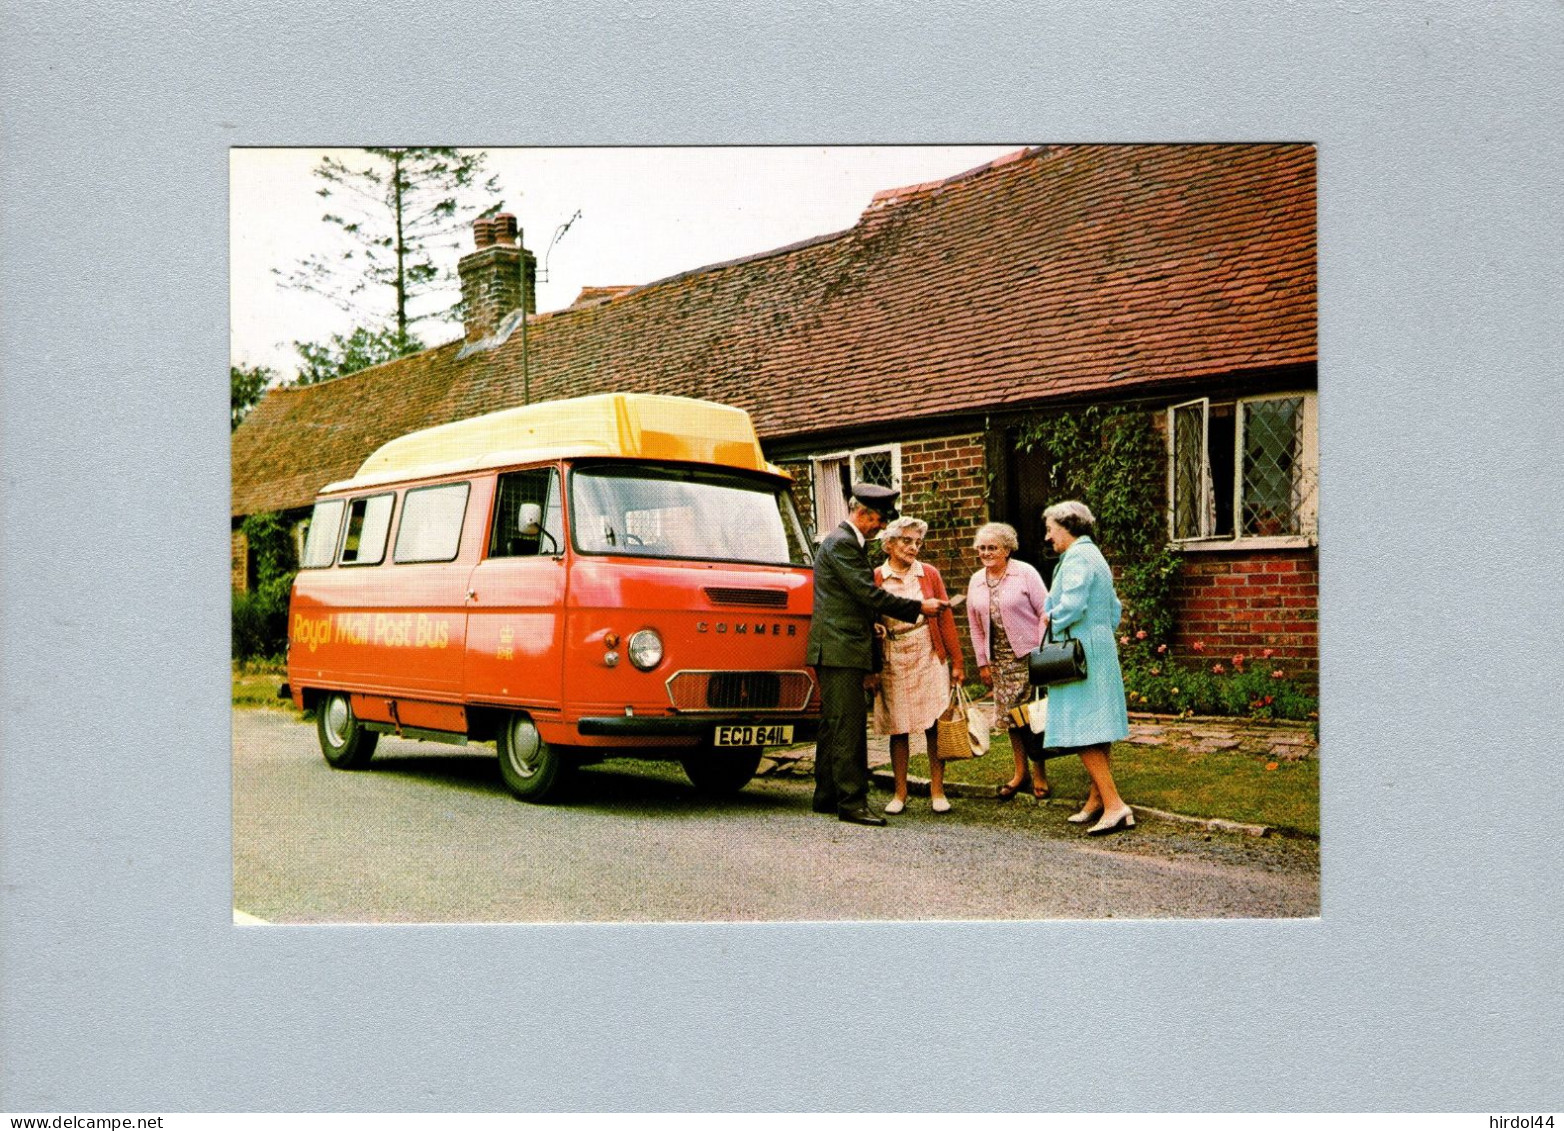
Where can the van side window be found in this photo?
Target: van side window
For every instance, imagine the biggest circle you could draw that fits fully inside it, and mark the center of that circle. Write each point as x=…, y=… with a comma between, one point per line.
x=431, y=527
x=320, y=543
x=515, y=533
x=369, y=520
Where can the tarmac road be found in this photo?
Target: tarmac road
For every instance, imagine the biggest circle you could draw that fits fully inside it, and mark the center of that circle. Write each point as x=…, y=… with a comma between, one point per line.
x=428, y=834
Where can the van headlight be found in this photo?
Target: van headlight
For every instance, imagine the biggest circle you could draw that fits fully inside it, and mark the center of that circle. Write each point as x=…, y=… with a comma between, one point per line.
x=646, y=649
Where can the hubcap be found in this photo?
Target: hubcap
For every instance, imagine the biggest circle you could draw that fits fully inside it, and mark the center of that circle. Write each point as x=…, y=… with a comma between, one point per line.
x=338, y=719
x=526, y=748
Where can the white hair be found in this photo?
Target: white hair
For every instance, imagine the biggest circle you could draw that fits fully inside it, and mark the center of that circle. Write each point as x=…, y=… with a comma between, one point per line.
x=1001, y=532
x=1073, y=516
x=902, y=526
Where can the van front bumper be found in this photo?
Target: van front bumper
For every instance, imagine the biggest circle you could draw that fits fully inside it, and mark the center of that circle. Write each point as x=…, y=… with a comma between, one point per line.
x=684, y=726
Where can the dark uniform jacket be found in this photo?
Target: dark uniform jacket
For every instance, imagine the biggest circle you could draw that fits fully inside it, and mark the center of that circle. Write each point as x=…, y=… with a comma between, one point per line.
x=846, y=603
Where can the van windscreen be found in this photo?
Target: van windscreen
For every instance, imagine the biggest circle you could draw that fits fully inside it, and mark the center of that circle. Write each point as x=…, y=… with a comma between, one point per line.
x=689, y=513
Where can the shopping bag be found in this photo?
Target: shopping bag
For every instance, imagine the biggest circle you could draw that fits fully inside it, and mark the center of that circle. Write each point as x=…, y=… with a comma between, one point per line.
x=1037, y=713
x=956, y=728
x=1031, y=715
x=978, y=730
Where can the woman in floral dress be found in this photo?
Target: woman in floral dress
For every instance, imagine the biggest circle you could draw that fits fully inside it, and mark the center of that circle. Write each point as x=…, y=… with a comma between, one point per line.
x=1005, y=611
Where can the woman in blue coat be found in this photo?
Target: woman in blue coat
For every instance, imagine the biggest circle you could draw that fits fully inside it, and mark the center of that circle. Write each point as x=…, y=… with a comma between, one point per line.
x=1086, y=717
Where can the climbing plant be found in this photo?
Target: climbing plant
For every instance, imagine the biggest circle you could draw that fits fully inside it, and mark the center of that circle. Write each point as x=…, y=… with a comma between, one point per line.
x=1114, y=460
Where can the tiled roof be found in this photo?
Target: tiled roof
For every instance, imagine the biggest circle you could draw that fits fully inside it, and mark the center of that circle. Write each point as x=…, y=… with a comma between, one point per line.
x=1062, y=271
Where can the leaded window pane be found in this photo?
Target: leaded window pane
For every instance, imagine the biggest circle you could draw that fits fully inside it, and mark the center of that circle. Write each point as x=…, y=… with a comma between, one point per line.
x=1273, y=449
x=876, y=468
x=1188, y=463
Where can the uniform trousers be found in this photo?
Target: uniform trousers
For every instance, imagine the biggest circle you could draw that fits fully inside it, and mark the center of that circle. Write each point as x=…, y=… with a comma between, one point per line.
x=842, y=746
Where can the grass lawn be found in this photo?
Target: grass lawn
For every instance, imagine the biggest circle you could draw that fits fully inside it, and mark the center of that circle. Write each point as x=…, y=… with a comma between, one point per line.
x=1238, y=787
x=255, y=684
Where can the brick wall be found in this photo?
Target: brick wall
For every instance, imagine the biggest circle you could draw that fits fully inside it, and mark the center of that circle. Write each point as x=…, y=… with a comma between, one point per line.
x=944, y=483
x=1243, y=601
x=803, y=490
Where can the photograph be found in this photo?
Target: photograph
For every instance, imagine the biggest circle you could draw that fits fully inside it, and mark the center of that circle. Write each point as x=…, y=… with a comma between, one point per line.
x=775, y=533
x=862, y=560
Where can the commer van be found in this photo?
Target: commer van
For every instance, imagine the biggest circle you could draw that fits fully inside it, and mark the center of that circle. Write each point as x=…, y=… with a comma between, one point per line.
x=621, y=575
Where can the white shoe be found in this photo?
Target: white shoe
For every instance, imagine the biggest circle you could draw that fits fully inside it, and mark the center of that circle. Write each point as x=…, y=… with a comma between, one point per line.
x=1084, y=815
x=1122, y=818
x=895, y=806
x=940, y=805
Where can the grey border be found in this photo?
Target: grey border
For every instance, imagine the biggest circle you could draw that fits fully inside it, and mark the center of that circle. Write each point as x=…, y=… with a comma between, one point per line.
x=1432, y=981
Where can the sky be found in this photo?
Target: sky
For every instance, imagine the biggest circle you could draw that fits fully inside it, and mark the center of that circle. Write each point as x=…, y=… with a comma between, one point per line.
x=645, y=214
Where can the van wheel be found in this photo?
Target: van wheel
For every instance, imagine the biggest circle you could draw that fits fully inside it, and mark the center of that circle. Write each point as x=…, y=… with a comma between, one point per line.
x=345, y=742
x=721, y=772
x=532, y=769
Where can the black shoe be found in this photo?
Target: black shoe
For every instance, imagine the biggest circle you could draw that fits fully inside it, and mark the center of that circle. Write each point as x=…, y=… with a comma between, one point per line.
x=860, y=817
x=823, y=807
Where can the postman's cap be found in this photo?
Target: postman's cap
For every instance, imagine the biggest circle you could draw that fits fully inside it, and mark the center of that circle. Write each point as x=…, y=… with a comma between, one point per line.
x=877, y=498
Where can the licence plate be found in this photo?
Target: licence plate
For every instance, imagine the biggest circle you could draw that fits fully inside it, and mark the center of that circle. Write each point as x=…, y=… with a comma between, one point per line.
x=773, y=734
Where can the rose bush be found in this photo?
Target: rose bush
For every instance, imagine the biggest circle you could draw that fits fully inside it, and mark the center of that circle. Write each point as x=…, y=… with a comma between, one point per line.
x=1155, y=681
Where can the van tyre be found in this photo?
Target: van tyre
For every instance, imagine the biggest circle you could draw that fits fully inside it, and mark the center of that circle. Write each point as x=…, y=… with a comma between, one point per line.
x=719, y=772
x=532, y=769
x=346, y=742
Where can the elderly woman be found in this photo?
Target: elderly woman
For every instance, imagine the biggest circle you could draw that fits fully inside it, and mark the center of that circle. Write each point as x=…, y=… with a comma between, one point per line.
x=1005, y=608
x=1087, y=716
x=920, y=659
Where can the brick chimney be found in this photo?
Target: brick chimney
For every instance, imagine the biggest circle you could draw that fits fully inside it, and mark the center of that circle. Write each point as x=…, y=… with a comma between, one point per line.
x=492, y=276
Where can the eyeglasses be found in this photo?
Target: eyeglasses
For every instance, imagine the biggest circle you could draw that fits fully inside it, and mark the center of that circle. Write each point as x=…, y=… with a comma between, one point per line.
x=908, y=541
x=989, y=549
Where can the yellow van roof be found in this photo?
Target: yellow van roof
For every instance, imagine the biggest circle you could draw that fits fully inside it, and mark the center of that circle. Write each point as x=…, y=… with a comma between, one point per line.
x=629, y=425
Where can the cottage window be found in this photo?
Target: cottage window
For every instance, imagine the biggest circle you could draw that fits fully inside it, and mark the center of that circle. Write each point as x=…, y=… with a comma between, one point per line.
x=833, y=476
x=1243, y=470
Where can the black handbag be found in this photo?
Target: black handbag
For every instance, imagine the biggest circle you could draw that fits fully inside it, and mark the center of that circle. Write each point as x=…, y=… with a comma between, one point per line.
x=1056, y=661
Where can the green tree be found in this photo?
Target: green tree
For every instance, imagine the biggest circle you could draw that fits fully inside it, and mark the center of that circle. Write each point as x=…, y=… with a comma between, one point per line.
x=246, y=384
x=359, y=350
x=260, y=617
x=401, y=211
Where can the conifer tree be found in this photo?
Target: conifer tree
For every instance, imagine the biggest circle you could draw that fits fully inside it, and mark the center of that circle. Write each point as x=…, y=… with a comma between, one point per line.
x=401, y=213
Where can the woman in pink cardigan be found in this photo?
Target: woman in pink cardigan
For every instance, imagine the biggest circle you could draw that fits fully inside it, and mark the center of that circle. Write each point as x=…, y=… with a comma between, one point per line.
x=1005, y=610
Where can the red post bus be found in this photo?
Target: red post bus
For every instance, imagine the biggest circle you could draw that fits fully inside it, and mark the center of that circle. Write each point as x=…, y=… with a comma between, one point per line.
x=613, y=575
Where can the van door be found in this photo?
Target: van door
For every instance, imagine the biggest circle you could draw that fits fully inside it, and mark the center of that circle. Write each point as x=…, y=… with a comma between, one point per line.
x=426, y=587
x=516, y=596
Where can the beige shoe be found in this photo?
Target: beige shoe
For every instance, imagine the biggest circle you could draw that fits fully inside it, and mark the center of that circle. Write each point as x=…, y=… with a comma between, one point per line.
x=896, y=805
x=1121, y=818
x=940, y=805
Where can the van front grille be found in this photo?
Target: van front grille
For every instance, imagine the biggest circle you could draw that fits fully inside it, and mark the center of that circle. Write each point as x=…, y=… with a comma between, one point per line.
x=740, y=691
x=757, y=598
